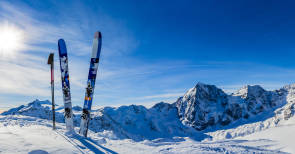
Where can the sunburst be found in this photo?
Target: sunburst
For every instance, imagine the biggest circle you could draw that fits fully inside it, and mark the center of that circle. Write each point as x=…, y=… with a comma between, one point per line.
x=11, y=39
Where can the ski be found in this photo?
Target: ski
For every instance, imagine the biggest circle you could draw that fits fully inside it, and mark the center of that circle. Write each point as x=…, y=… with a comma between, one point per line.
x=65, y=81
x=85, y=117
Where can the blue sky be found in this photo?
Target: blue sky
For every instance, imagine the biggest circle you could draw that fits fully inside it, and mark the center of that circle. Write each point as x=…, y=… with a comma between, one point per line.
x=152, y=50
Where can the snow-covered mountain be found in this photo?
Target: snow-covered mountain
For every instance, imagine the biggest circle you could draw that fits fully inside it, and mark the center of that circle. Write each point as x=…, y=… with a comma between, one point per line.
x=135, y=122
x=203, y=109
x=206, y=105
x=204, y=120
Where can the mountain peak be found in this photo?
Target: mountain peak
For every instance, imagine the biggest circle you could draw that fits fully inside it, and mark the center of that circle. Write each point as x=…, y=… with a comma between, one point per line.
x=198, y=106
x=289, y=87
x=201, y=85
x=37, y=102
x=201, y=89
x=250, y=90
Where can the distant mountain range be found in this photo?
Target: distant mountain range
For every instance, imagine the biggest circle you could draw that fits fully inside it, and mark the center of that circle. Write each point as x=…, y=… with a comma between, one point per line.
x=204, y=108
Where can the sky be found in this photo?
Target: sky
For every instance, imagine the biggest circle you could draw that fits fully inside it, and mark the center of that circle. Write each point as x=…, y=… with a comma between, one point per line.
x=152, y=50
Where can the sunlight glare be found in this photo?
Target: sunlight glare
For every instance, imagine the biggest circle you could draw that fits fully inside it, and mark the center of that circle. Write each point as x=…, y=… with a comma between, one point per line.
x=11, y=39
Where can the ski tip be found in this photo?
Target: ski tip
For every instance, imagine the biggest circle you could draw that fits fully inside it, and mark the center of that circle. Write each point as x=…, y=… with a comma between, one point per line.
x=97, y=34
x=62, y=49
x=61, y=41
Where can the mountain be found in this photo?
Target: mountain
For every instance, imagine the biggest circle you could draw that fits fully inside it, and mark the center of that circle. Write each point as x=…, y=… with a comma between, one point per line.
x=203, y=106
x=201, y=112
x=206, y=105
x=134, y=121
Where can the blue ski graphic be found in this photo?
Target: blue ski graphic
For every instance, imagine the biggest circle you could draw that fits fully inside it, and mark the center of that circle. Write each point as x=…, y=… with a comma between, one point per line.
x=85, y=117
x=63, y=57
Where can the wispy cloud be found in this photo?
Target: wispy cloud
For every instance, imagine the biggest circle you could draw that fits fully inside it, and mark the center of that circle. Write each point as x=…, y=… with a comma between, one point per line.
x=162, y=96
x=122, y=78
x=26, y=72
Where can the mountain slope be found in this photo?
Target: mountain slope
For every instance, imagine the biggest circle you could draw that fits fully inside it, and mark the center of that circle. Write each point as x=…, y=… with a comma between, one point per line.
x=204, y=112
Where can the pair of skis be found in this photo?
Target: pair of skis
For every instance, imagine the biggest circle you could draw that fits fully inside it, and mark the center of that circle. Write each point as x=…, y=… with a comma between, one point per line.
x=85, y=116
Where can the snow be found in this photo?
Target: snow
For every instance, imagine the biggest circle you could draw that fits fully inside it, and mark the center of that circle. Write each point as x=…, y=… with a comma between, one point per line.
x=19, y=137
x=163, y=128
x=24, y=134
x=281, y=136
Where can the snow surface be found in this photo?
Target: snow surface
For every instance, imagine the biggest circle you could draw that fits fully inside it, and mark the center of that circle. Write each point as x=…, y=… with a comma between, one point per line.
x=163, y=128
x=280, y=137
x=25, y=134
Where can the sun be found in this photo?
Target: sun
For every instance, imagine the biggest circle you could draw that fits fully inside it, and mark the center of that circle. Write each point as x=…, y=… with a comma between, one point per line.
x=11, y=39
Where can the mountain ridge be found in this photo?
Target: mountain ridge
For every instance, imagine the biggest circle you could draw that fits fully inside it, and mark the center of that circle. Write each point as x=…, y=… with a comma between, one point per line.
x=203, y=108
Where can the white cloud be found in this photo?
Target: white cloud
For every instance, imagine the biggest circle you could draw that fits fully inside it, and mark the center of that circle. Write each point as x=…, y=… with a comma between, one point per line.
x=27, y=74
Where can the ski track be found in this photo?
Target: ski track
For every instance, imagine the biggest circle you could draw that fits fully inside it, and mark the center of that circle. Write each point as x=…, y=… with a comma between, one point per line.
x=84, y=145
x=36, y=135
x=71, y=141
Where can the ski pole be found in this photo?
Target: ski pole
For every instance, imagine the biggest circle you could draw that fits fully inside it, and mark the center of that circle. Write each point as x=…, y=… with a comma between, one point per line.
x=50, y=62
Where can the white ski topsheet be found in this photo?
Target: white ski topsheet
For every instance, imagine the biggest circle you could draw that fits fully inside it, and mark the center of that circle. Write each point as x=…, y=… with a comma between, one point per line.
x=94, y=48
x=96, y=45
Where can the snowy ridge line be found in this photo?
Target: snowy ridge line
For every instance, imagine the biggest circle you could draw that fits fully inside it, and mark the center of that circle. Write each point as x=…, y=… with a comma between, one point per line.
x=71, y=141
x=205, y=112
x=208, y=108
